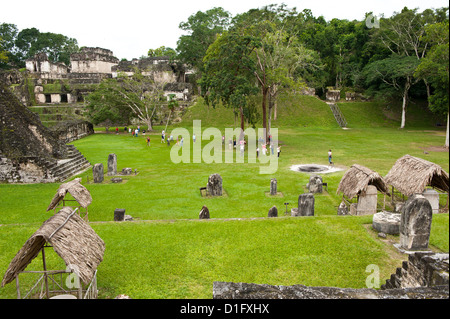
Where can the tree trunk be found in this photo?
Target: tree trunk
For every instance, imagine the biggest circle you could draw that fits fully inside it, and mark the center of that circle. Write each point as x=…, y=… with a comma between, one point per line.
x=405, y=101
x=167, y=123
x=402, y=125
x=241, y=110
x=264, y=102
x=275, y=106
x=149, y=125
x=446, y=135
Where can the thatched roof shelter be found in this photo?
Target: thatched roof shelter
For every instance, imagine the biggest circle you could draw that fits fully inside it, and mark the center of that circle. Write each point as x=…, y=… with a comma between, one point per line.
x=410, y=175
x=357, y=178
x=74, y=188
x=72, y=239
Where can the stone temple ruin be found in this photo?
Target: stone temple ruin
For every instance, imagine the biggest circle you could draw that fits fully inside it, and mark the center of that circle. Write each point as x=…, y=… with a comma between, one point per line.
x=57, y=83
x=57, y=92
x=30, y=152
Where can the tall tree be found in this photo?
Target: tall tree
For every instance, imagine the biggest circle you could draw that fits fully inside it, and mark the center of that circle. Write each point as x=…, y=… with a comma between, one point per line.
x=228, y=72
x=8, y=34
x=162, y=51
x=403, y=33
x=57, y=46
x=138, y=96
x=393, y=75
x=435, y=68
x=202, y=29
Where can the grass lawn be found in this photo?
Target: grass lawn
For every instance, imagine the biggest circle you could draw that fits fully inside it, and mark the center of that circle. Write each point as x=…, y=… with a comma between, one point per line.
x=168, y=253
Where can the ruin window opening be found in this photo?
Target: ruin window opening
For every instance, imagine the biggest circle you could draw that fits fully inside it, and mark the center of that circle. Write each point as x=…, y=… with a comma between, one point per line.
x=64, y=98
x=48, y=98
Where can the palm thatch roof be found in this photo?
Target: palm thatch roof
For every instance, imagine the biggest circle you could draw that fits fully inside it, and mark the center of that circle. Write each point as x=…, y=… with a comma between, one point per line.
x=410, y=175
x=72, y=239
x=78, y=192
x=357, y=178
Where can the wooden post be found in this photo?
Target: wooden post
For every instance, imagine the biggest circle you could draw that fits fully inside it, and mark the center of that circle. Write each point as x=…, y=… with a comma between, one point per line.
x=45, y=273
x=18, y=287
x=80, y=287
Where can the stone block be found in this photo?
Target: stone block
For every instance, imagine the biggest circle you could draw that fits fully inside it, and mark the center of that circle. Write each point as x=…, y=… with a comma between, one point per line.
x=386, y=222
x=112, y=164
x=433, y=198
x=367, y=203
x=273, y=212
x=415, y=224
x=204, y=213
x=214, y=185
x=315, y=184
x=273, y=186
x=119, y=214
x=97, y=172
x=306, y=204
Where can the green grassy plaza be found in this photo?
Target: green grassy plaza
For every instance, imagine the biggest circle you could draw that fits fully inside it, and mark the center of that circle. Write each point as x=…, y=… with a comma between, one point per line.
x=167, y=252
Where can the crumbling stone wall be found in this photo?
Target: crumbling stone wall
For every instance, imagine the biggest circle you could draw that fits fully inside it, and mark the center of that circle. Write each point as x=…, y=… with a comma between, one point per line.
x=22, y=133
x=231, y=290
x=421, y=270
x=423, y=276
x=69, y=131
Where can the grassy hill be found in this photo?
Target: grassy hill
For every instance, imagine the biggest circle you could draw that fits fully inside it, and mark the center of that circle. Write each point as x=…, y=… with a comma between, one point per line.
x=295, y=110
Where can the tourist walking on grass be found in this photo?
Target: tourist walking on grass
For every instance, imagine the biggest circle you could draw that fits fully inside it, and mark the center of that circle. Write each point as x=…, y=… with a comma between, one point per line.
x=330, y=157
x=148, y=141
x=279, y=151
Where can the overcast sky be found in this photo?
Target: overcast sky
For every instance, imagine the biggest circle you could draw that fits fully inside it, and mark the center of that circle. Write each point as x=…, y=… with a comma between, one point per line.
x=130, y=27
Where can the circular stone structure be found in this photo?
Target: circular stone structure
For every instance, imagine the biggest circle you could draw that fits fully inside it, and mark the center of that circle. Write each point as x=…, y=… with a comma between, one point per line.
x=314, y=168
x=386, y=222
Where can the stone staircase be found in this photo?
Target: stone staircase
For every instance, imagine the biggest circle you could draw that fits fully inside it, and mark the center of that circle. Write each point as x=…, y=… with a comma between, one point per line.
x=340, y=119
x=74, y=163
x=421, y=270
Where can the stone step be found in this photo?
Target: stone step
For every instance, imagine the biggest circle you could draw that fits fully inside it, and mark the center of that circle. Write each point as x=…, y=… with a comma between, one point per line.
x=69, y=165
x=74, y=171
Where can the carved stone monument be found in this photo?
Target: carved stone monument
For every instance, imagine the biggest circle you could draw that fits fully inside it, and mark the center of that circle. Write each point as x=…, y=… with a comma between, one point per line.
x=97, y=172
x=214, y=186
x=273, y=186
x=342, y=209
x=273, y=212
x=433, y=198
x=204, y=213
x=119, y=214
x=112, y=165
x=305, y=205
x=367, y=203
x=415, y=223
x=315, y=184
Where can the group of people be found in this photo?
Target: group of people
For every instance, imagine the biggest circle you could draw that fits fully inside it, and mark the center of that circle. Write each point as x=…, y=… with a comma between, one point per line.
x=231, y=143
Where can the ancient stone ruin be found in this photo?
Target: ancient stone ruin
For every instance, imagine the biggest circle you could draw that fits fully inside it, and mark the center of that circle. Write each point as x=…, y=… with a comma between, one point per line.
x=273, y=186
x=273, y=212
x=387, y=222
x=214, y=185
x=204, y=213
x=415, y=224
x=29, y=152
x=112, y=164
x=315, y=184
x=97, y=172
x=423, y=276
x=305, y=205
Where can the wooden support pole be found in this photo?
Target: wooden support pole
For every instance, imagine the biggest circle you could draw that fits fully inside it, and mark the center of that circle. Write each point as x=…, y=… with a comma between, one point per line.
x=18, y=287
x=45, y=273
